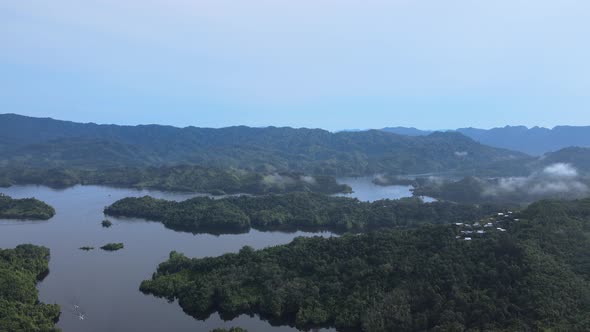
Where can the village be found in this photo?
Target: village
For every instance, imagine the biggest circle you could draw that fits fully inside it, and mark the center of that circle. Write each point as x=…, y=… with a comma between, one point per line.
x=496, y=223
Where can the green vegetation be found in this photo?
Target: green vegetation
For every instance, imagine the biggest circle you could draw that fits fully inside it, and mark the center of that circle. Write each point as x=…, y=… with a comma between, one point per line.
x=533, y=277
x=26, y=208
x=20, y=309
x=233, y=329
x=112, y=246
x=576, y=156
x=467, y=190
x=516, y=190
x=292, y=211
x=86, y=248
x=47, y=143
x=106, y=223
x=176, y=178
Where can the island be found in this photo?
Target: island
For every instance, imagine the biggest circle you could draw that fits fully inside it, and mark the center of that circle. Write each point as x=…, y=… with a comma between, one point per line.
x=86, y=248
x=532, y=276
x=185, y=178
x=112, y=246
x=20, y=270
x=24, y=209
x=293, y=211
x=106, y=223
x=232, y=329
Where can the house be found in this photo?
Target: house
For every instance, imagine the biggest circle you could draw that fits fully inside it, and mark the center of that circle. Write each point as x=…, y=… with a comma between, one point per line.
x=501, y=229
x=467, y=239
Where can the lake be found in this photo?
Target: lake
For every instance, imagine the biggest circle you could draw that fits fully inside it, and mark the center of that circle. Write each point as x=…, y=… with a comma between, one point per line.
x=365, y=190
x=105, y=285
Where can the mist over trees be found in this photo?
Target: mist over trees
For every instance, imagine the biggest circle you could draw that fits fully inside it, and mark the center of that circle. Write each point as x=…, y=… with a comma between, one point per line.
x=557, y=180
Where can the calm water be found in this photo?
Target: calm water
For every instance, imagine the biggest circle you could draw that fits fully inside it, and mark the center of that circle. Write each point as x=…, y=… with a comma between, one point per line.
x=105, y=284
x=365, y=190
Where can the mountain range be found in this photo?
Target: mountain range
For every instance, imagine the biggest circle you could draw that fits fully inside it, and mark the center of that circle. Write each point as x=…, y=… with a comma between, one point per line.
x=45, y=142
x=533, y=141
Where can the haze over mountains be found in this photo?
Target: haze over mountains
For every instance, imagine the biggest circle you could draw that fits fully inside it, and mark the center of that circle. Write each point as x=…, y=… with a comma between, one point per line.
x=533, y=141
x=43, y=142
x=49, y=143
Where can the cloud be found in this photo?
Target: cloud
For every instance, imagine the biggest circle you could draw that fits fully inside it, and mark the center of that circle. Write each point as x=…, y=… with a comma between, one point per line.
x=461, y=153
x=560, y=170
x=558, y=179
x=277, y=180
x=281, y=181
x=308, y=179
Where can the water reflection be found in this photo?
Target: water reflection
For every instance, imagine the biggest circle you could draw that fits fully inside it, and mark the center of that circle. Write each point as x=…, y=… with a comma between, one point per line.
x=105, y=284
x=365, y=190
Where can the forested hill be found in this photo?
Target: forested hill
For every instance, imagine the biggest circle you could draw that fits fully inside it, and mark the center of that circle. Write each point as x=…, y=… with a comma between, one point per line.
x=534, y=276
x=575, y=156
x=43, y=142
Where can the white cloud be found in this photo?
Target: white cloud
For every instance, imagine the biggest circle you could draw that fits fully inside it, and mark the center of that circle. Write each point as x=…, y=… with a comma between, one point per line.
x=554, y=180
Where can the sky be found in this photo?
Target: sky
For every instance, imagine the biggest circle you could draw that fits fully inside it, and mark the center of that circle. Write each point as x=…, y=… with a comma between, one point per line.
x=333, y=64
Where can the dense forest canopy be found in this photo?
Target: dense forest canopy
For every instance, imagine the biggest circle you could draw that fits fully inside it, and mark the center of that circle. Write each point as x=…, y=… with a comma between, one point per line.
x=36, y=142
x=293, y=211
x=26, y=208
x=175, y=178
x=533, y=276
x=20, y=309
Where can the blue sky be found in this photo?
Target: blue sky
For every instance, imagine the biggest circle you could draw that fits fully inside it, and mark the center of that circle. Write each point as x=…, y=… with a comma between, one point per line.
x=322, y=63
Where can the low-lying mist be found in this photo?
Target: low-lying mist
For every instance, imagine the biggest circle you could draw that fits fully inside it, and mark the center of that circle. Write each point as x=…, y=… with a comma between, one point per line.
x=556, y=180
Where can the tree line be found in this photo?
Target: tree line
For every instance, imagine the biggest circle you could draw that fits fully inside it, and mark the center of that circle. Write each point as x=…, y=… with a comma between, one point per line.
x=301, y=210
x=534, y=276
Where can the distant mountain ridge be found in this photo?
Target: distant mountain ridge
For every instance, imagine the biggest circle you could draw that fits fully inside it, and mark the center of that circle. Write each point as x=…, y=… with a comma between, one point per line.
x=533, y=141
x=44, y=142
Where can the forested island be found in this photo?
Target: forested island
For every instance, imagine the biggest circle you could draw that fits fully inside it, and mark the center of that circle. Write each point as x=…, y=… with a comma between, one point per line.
x=306, y=211
x=112, y=246
x=20, y=270
x=26, y=209
x=188, y=178
x=534, y=276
